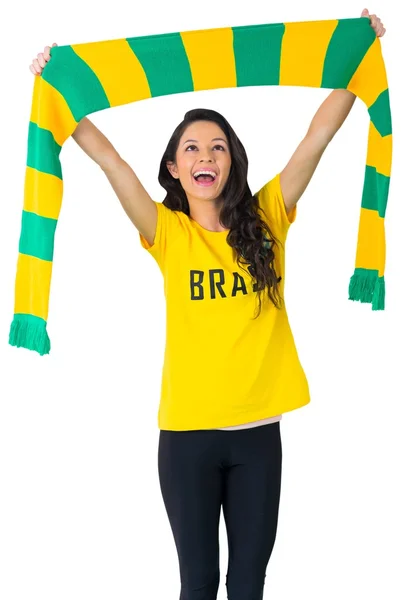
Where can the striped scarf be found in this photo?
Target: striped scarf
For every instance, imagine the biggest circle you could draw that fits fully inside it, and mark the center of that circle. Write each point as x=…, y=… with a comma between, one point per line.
x=85, y=78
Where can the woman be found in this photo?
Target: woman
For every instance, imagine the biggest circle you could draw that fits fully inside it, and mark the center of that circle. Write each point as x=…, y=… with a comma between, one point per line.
x=231, y=367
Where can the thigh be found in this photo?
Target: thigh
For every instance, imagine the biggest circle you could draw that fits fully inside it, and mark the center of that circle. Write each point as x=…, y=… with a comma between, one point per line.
x=191, y=485
x=251, y=504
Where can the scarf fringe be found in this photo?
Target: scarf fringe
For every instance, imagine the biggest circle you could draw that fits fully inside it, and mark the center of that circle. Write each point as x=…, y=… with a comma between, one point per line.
x=379, y=294
x=367, y=287
x=29, y=332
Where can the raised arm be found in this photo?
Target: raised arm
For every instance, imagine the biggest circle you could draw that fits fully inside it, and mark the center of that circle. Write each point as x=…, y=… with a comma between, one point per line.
x=327, y=121
x=135, y=200
x=298, y=172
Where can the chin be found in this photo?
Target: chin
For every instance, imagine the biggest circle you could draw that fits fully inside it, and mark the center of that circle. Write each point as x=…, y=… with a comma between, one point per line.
x=207, y=194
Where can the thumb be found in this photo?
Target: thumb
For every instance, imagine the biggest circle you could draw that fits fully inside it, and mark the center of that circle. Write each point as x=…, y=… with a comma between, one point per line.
x=365, y=13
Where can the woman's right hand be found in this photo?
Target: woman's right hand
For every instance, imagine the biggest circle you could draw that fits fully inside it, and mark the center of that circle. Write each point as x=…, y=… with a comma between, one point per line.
x=38, y=64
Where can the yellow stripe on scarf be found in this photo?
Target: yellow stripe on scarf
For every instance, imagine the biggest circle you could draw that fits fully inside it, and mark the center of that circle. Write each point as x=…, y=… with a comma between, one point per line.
x=59, y=120
x=379, y=151
x=211, y=58
x=362, y=83
x=32, y=286
x=371, y=249
x=43, y=193
x=302, y=64
x=126, y=81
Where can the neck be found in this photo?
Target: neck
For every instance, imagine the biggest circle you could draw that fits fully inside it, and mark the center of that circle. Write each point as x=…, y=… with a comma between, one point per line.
x=206, y=213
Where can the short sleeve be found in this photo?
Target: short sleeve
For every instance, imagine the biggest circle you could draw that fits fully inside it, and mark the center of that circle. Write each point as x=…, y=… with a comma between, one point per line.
x=168, y=228
x=271, y=201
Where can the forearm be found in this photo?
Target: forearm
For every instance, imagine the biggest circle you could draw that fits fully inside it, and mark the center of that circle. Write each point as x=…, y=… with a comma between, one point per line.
x=332, y=113
x=94, y=143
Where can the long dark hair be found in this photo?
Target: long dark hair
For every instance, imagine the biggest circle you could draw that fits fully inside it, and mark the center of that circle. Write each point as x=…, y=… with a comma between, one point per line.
x=249, y=235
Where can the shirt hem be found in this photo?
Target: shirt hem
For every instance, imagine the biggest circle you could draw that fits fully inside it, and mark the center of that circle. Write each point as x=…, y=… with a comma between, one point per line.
x=167, y=425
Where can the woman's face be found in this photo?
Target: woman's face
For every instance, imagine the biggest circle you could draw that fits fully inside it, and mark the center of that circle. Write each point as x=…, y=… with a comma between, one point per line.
x=202, y=147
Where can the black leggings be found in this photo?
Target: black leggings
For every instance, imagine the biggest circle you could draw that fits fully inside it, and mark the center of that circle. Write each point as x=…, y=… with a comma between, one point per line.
x=240, y=470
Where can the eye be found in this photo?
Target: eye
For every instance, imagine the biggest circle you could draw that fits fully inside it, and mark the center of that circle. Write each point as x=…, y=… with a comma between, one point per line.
x=216, y=146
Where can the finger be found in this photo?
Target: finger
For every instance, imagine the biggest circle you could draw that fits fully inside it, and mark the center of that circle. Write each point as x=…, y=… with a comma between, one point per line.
x=376, y=25
x=374, y=20
x=32, y=70
x=46, y=53
x=36, y=66
x=41, y=60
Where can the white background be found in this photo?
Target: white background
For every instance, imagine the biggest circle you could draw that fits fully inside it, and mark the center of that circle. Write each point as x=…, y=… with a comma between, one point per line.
x=81, y=514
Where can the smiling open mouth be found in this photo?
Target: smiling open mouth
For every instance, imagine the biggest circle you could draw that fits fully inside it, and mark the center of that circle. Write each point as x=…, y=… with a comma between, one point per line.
x=204, y=178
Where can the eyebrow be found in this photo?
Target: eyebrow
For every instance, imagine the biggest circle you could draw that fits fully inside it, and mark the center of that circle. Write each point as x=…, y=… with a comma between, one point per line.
x=213, y=140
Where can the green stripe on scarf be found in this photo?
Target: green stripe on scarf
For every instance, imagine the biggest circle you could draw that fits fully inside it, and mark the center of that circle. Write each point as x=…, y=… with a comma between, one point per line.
x=37, y=236
x=156, y=55
x=380, y=114
x=265, y=47
x=43, y=151
x=92, y=97
x=345, y=53
x=375, y=191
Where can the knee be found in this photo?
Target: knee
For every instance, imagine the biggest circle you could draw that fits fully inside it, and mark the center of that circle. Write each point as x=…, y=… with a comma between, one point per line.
x=241, y=586
x=200, y=586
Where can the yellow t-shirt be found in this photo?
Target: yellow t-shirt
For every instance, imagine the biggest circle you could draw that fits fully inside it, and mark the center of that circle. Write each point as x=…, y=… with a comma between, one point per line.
x=221, y=366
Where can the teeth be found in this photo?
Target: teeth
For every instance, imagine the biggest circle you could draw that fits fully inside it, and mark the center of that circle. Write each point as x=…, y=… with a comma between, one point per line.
x=205, y=173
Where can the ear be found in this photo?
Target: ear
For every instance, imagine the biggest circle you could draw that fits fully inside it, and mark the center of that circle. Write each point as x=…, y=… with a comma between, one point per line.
x=172, y=167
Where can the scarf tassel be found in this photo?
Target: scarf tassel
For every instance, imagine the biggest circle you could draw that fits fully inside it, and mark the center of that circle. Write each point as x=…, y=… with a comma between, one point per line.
x=29, y=332
x=367, y=287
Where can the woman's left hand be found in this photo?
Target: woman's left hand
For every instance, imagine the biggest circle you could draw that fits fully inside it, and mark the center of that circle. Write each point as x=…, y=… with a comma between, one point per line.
x=375, y=23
